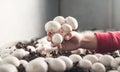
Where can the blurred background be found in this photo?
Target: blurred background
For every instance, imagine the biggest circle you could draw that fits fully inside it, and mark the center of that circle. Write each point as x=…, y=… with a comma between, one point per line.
x=25, y=19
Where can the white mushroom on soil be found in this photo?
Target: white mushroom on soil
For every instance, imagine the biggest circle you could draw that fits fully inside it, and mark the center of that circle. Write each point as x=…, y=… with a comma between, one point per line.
x=57, y=65
x=52, y=26
x=75, y=58
x=118, y=68
x=115, y=63
x=57, y=38
x=19, y=53
x=59, y=19
x=68, y=61
x=23, y=62
x=106, y=60
x=98, y=67
x=8, y=68
x=72, y=21
x=91, y=58
x=98, y=55
x=85, y=64
x=11, y=60
x=37, y=65
x=31, y=48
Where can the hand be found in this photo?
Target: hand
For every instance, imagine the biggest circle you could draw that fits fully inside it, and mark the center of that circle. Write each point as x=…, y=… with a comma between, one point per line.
x=71, y=41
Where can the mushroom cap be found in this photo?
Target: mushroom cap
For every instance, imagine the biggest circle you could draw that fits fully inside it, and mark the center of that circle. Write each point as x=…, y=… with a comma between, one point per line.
x=8, y=68
x=75, y=58
x=106, y=60
x=72, y=21
x=91, y=58
x=115, y=63
x=98, y=67
x=37, y=65
x=68, y=61
x=57, y=65
x=66, y=28
x=57, y=38
x=59, y=19
x=85, y=64
x=52, y=26
x=11, y=60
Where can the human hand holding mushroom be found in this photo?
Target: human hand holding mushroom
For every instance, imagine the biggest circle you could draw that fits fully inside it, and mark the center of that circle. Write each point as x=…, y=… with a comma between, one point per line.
x=61, y=29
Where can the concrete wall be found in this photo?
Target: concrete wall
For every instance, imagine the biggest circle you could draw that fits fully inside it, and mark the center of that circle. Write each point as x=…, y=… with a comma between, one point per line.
x=89, y=13
x=25, y=19
x=116, y=14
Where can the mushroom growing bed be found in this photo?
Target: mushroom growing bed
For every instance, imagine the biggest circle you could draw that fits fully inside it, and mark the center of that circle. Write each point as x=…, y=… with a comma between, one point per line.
x=38, y=56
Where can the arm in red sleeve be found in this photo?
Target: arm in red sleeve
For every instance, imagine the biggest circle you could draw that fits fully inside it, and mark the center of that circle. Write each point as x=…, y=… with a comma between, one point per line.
x=108, y=42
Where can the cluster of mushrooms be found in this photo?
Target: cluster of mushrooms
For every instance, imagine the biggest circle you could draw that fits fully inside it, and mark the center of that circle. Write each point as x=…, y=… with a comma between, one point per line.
x=39, y=56
x=59, y=27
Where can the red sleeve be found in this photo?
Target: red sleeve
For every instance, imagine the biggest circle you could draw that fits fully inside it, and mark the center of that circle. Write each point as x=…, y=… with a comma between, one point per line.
x=108, y=42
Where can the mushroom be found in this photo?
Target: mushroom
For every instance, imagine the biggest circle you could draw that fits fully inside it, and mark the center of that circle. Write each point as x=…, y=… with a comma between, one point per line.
x=72, y=21
x=59, y=19
x=98, y=67
x=106, y=60
x=66, y=28
x=98, y=55
x=37, y=65
x=23, y=62
x=57, y=65
x=19, y=53
x=75, y=58
x=57, y=38
x=115, y=63
x=91, y=58
x=68, y=62
x=11, y=60
x=86, y=64
x=52, y=26
x=31, y=48
x=8, y=68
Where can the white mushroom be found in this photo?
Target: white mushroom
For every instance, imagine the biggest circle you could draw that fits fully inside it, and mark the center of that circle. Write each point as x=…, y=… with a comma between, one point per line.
x=106, y=60
x=98, y=55
x=75, y=58
x=91, y=58
x=8, y=68
x=52, y=26
x=118, y=68
x=68, y=61
x=11, y=60
x=19, y=53
x=98, y=67
x=57, y=38
x=66, y=28
x=37, y=65
x=57, y=65
x=115, y=63
x=31, y=48
x=23, y=62
x=59, y=19
x=72, y=21
x=86, y=64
